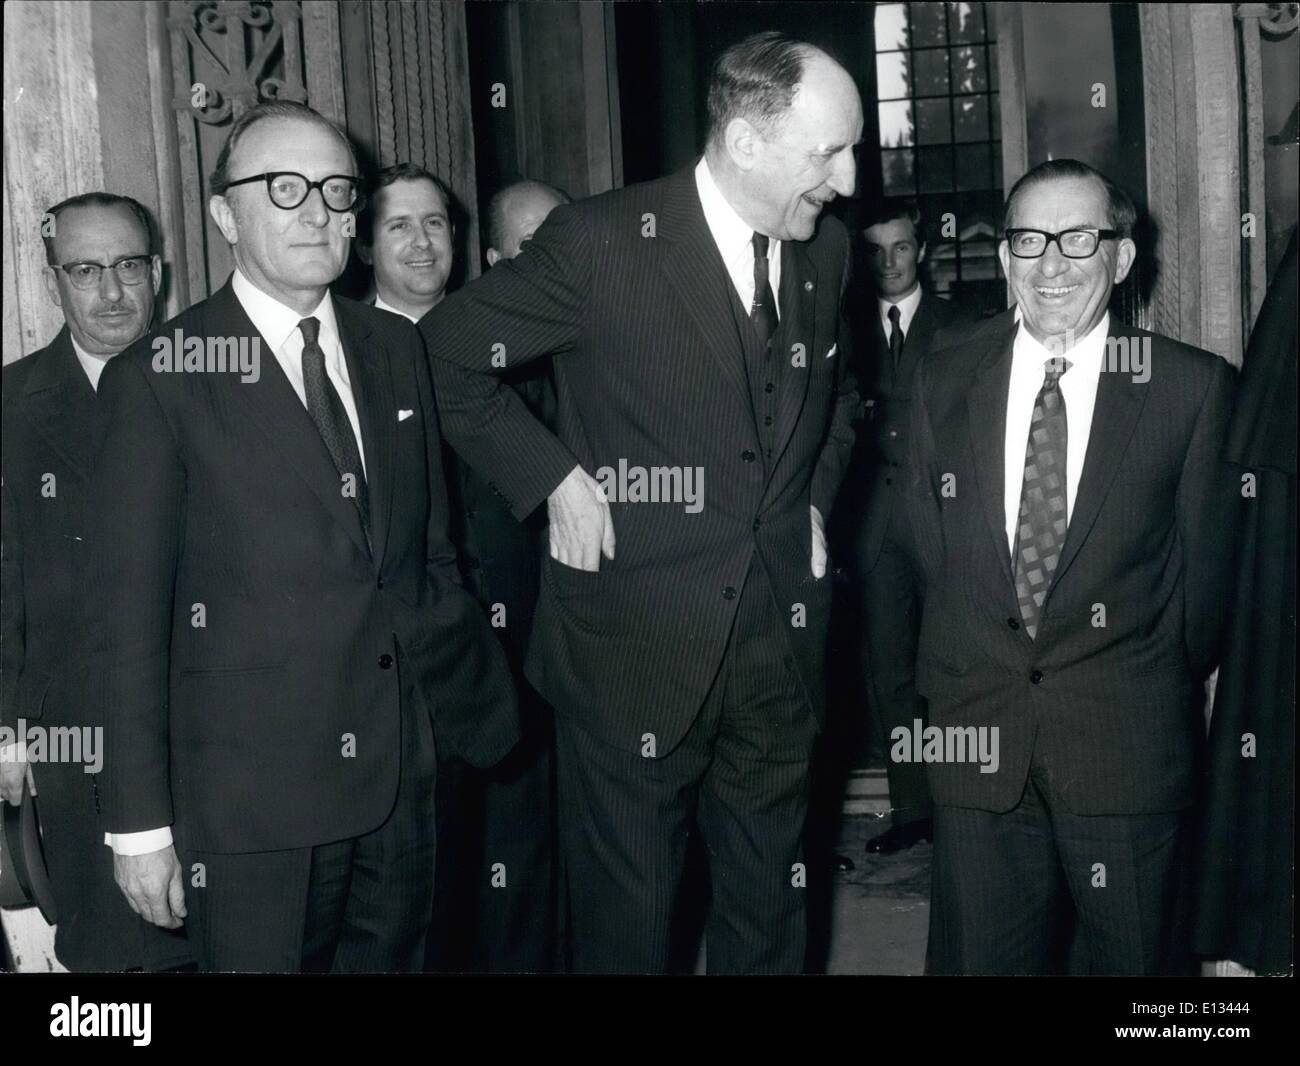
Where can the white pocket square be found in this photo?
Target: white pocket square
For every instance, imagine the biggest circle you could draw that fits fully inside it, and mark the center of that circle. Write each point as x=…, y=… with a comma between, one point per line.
x=403, y=414
x=834, y=348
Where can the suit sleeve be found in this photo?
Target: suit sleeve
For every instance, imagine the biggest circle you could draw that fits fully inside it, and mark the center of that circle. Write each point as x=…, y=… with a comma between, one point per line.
x=1208, y=502
x=834, y=458
x=922, y=536
x=134, y=525
x=440, y=552
x=520, y=310
x=12, y=608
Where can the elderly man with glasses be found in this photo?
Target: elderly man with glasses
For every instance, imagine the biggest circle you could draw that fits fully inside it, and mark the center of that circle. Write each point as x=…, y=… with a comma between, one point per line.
x=1070, y=517
x=104, y=276
x=280, y=632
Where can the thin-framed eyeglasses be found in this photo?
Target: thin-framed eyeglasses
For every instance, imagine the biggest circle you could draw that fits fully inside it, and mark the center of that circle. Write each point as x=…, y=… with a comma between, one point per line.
x=288, y=190
x=1073, y=243
x=130, y=270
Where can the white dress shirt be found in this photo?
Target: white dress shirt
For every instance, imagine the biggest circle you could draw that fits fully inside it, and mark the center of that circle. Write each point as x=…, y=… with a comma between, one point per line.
x=92, y=365
x=734, y=240
x=379, y=303
x=1078, y=389
x=278, y=325
x=906, y=311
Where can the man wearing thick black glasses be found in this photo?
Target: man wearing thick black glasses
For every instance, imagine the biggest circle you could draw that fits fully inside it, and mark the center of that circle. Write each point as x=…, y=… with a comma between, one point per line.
x=104, y=274
x=281, y=629
x=1070, y=515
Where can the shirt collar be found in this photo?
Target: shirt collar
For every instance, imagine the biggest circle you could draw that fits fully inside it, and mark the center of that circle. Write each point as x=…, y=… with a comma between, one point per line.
x=731, y=233
x=1086, y=357
x=906, y=307
x=382, y=306
x=278, y=322
x=92, y=365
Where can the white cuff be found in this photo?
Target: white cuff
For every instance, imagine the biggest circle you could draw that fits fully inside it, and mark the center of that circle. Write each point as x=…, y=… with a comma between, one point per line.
x=15, y=752
x=142, y=843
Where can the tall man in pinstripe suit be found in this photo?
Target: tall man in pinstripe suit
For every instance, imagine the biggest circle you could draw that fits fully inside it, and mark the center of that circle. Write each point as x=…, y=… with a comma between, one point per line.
x=1071, y=517
x=700, y=369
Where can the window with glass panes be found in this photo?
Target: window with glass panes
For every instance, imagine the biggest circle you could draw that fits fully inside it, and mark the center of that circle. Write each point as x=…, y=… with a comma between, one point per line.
x=940, y=136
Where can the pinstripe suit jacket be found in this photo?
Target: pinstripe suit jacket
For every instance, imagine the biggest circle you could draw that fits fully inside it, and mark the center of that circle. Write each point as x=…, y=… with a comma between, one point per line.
x=1106, y=697
x=213, y=491
x=630, y=293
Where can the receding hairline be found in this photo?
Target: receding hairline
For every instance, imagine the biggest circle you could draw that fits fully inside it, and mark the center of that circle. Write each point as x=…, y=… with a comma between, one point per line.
x=121, y=206
x=320, y=123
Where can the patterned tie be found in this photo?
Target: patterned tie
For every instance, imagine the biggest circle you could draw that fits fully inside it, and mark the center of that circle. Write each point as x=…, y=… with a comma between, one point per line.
x=1043, y=515
x=331, y=419
x=895, y=336
x=763, y=313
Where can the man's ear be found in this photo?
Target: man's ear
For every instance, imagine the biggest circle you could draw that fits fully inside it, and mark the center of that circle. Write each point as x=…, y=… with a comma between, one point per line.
x=1004, y=257
x=52, y=286
x=1125, y=255
x=224, y=216
x=920, y=255
x=155, y=273
x=741, y=141
x=493, y=257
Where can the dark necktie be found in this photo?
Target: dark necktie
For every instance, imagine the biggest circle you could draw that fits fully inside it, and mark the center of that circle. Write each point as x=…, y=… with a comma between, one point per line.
x=895, y=336
x=1043, y=515
x=763, y=313
x=331, y=419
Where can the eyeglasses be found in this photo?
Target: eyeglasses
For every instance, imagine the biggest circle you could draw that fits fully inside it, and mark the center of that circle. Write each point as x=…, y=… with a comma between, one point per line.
x=130, y=271
x=288, y=190
x=1073, y=243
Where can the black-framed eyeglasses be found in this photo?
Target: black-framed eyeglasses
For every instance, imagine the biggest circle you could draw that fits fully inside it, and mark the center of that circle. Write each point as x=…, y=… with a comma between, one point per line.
x=130, y=270
x=288, y=190
x=1073, y=243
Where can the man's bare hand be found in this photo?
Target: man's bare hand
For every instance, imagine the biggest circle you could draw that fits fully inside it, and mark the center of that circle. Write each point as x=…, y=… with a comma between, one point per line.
x=152, y=886
x=819, y=553
x=582, y=528
x=12, y=772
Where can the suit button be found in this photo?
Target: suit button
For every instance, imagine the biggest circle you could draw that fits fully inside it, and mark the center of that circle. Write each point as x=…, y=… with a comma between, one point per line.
x=1036, y=677
x=385, y=661
x=769, y=387
x=757, y=523
x=889, y=481
x=767, y=420
x=893, y=433
x=729, y=593
x=1014, y=623
x=380, y=583
x=748, y=456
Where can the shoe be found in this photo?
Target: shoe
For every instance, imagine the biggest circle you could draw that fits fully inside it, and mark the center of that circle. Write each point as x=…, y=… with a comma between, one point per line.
x=901, y=837
x=842, y=864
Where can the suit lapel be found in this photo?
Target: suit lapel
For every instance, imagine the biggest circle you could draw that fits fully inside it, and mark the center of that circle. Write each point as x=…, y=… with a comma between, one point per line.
x=799, y=306
x=694, y=268
x=1119, y=404
x=372, y=389
x=986, y=419
x=917, y=340
x=274, y=407
x=61, y=403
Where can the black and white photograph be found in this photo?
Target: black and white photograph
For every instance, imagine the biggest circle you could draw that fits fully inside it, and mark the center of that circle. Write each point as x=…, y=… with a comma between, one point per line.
x=570, y=488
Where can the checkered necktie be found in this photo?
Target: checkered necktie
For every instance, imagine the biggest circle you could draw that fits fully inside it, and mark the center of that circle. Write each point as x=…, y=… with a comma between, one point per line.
x=331, y=419
x=1043, y=515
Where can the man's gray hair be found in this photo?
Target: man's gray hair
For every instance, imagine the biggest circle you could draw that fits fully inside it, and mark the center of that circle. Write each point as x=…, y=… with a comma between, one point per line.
x=755, y=79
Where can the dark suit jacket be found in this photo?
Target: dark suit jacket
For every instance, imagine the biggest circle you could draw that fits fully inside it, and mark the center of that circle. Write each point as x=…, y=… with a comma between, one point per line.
x=630, y=293
x=881, y=448
x=47, y=428
x=217, y=492
x=1110, y=710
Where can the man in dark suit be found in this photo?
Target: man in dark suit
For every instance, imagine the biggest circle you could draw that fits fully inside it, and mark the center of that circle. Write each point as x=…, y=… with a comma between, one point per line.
x=104, y=275
x=901, y=324
x=1070, y=516
x=703, y=419
x=279, y=612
